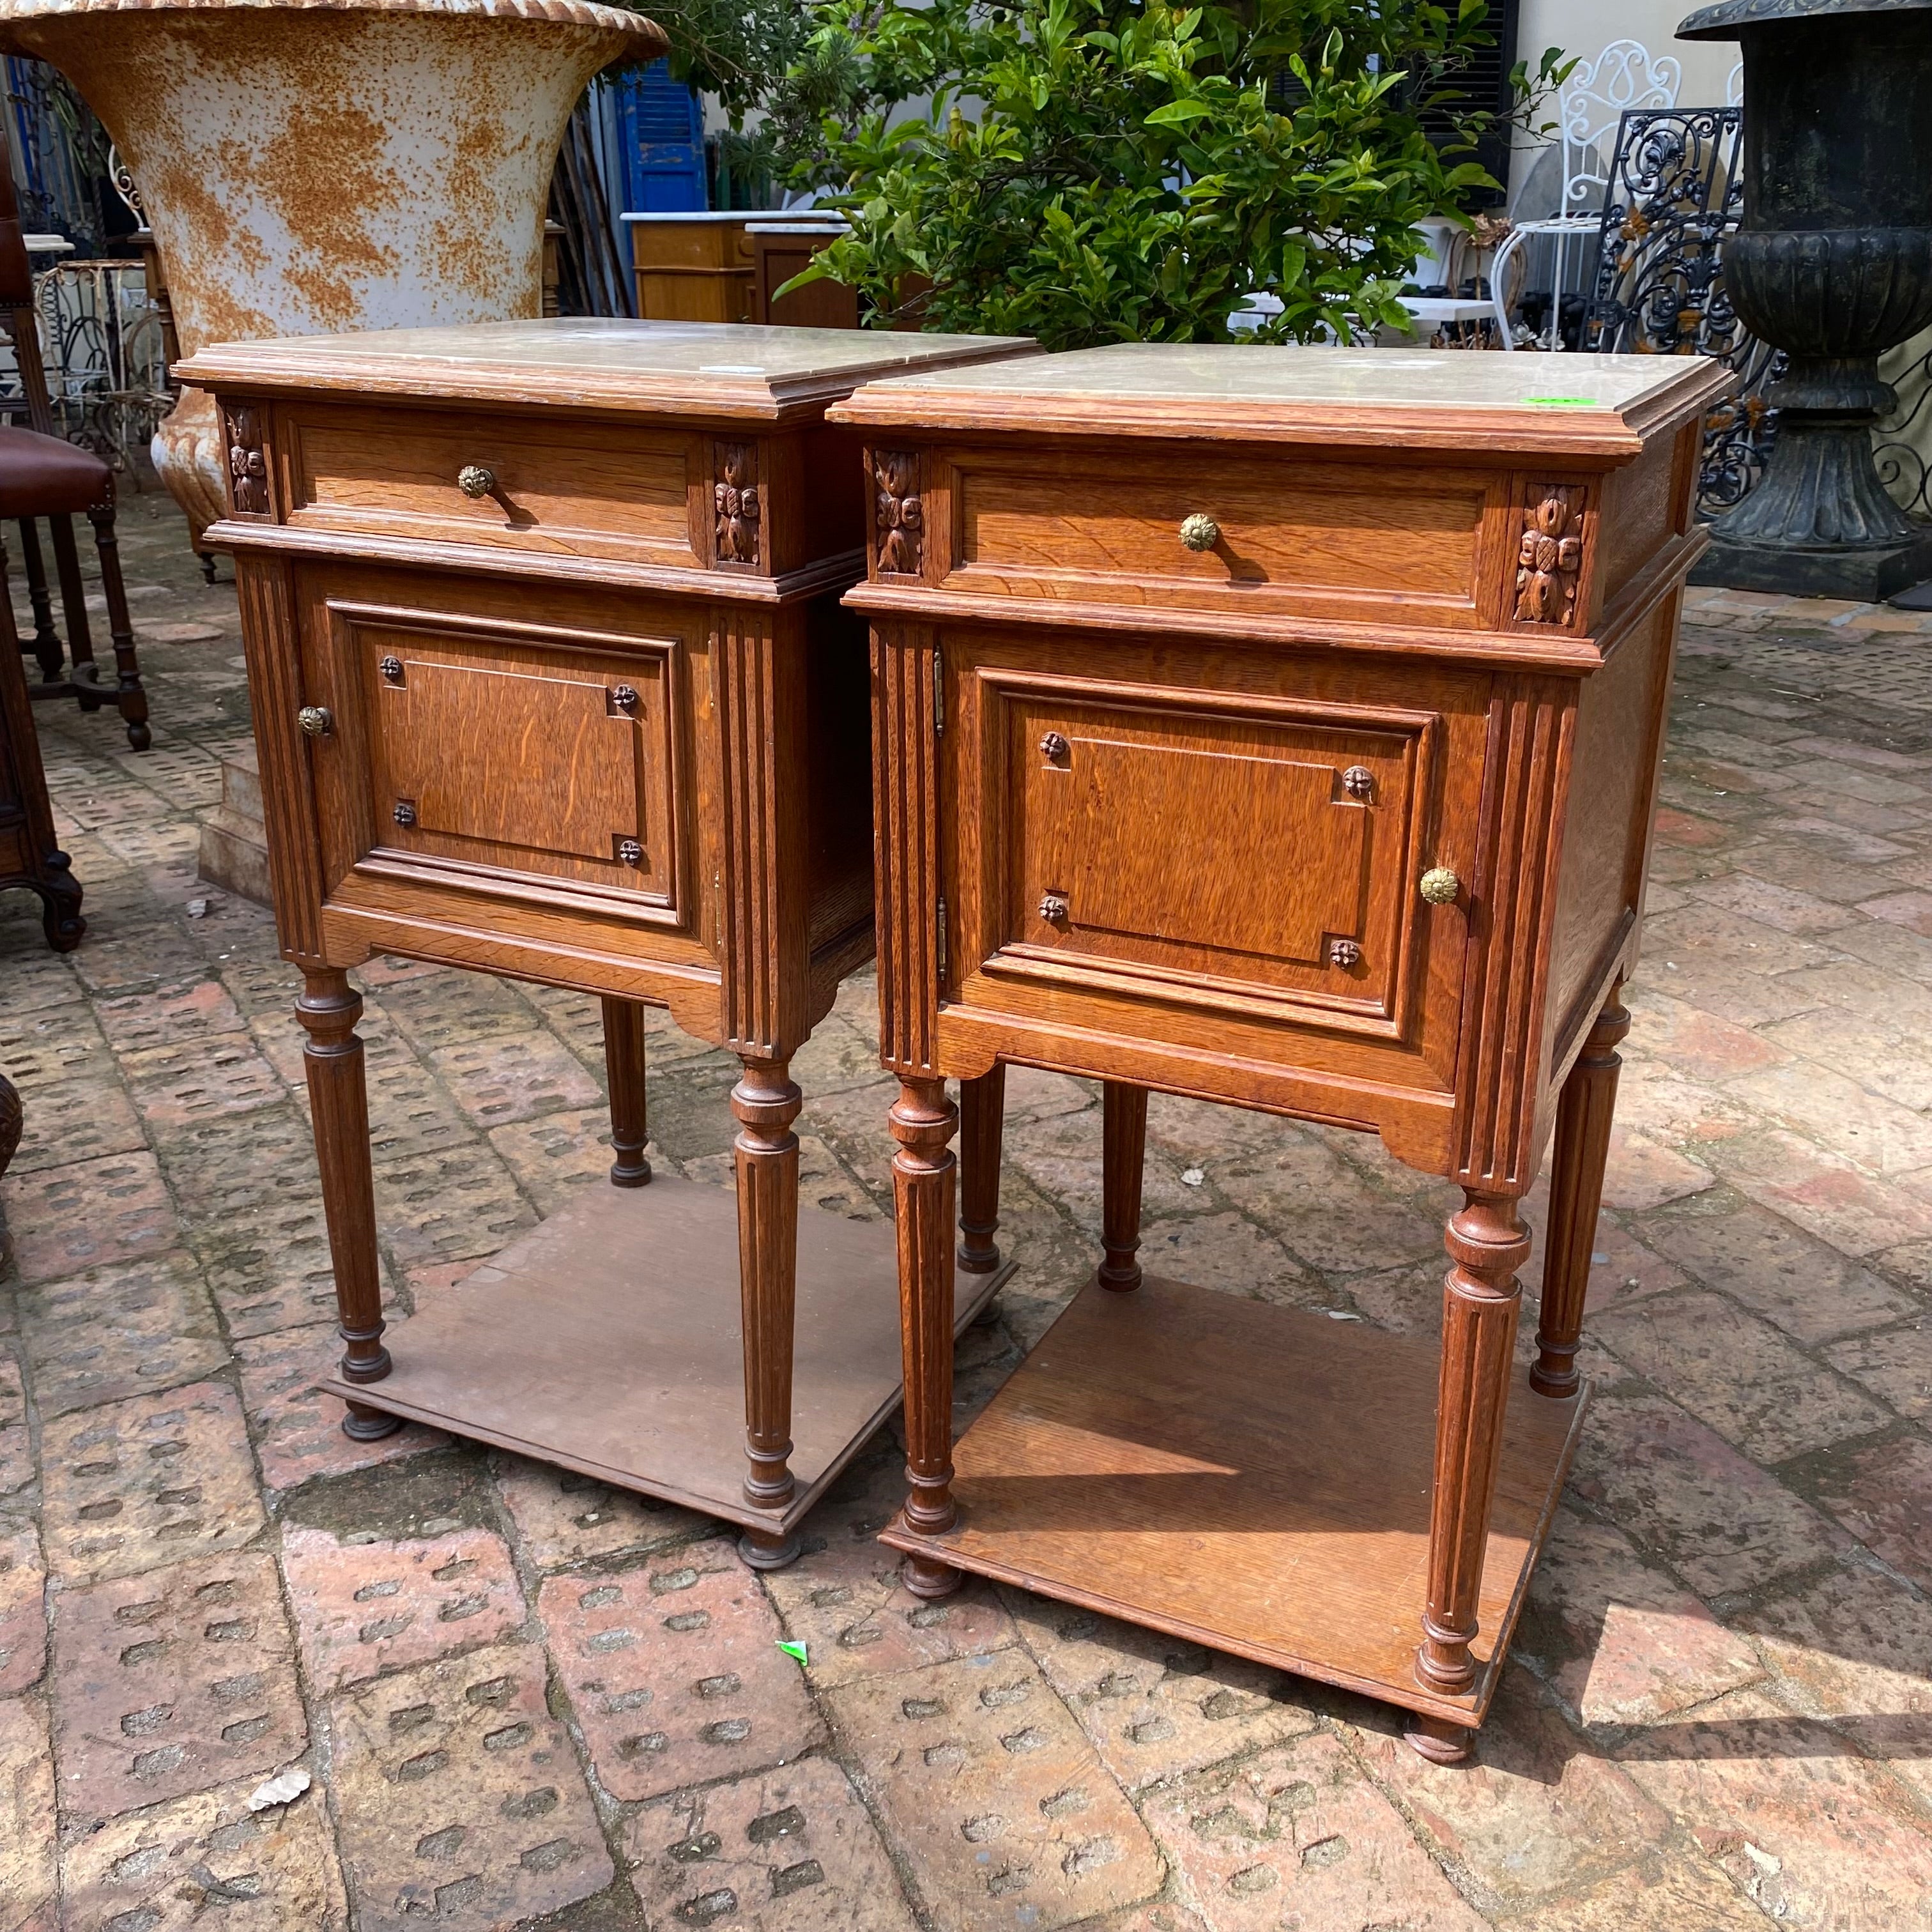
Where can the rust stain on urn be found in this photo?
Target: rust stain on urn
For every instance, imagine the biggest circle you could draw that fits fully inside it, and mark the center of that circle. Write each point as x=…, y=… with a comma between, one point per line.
x=313, y=166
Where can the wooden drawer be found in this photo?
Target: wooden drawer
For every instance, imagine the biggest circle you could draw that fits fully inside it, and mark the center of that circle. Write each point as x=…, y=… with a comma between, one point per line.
x=585, y=490
x=1095, y=781
x=1317, y=537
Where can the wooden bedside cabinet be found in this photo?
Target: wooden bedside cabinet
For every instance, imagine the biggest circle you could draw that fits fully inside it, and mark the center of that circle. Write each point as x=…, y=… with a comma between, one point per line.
x=1278, y=726
x=550, y=680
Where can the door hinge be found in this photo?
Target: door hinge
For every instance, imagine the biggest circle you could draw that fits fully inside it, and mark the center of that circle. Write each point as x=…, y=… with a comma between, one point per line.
x=939, y=944
x=938, y=693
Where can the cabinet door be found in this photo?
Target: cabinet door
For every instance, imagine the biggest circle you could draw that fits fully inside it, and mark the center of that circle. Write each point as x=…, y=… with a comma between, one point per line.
x=1213, y=847
x=493, y=775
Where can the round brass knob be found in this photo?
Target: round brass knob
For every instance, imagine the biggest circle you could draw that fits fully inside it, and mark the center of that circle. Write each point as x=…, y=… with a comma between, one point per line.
x=1440, y=885
x=1053, y=747
x=315, y=721
x=1054, y=908
x=1200, y=532
x=473, y=480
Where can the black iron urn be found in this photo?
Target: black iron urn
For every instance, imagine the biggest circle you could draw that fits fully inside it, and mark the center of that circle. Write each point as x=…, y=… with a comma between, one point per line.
x=1833, y=264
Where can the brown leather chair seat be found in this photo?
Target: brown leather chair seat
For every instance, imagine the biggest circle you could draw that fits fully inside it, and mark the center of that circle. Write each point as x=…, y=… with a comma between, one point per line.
x=44, y=476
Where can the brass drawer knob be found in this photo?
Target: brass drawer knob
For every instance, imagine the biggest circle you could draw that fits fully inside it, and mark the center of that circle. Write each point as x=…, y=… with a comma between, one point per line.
x=1200, y=532
x=316, y=720
x=405, y=813
x=1440, y=885
x=1053, y=909
x=1358, y=782
x=629, y=852
x=624, y=697
x=1345, y=953
x=473, y=480
x=1053, y=748
x=392, y=669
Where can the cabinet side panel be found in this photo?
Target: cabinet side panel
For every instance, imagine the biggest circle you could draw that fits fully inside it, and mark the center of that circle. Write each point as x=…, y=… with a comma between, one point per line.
x=1639, y=515
x=1620, y=720
x=841, y=856
x=273, y=654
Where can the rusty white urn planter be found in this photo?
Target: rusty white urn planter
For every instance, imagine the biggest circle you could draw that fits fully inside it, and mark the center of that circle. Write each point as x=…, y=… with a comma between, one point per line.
x=313, y=166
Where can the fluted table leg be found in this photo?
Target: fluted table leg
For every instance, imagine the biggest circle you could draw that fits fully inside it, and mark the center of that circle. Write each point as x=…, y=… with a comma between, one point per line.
x=922, y=1123
x=1487, y=1243
x=767, y=1102
x=624, y=1067
x=329, y=1009
x=1124, y=1159
x=1583, y=1118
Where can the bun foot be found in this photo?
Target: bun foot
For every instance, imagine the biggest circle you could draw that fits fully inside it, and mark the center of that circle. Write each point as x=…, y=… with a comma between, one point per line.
x=769, y=1550
x=364, y=1424
x=1440, y=1741
x=927, y=1579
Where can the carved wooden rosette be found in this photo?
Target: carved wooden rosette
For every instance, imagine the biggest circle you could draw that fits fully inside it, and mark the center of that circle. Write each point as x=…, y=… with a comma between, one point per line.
x=734, y=495
x=245, y=433
x=898, y=515
x=1550, y=555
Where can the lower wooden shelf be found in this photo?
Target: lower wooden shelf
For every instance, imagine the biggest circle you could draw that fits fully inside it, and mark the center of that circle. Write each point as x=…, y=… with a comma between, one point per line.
x=608, y=1341
x=1255, y=1478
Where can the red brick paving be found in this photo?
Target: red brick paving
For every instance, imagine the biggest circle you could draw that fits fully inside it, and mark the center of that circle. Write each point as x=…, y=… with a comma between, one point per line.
x=1721, y=1713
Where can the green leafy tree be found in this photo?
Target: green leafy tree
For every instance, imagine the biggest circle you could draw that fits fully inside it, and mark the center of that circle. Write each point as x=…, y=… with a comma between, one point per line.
x=1103, y=170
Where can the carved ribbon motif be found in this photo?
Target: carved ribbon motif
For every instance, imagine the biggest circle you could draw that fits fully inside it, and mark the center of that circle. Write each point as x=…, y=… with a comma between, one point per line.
x=247, y=466
x=1548, y=558
x=899, y=520
x=735, y=496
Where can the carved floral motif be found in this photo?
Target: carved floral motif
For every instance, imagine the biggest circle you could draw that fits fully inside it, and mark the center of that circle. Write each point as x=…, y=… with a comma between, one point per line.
x=898, y=519
x=735, y=497
x=1549, y=558
x=247, y=465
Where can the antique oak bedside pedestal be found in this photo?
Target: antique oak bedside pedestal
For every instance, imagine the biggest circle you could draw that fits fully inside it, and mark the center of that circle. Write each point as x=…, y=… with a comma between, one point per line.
x=550, y=680
x=1277, y=727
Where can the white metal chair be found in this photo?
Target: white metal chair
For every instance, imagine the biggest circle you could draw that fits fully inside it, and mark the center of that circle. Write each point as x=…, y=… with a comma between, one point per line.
x=1588, y=107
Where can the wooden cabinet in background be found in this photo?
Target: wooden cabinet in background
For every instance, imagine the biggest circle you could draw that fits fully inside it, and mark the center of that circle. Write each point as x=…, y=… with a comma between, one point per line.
x=550, y=680
x=1280, y=727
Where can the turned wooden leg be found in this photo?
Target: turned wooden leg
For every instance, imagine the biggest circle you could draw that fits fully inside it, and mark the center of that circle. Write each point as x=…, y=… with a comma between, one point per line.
x=329, y=1009
x=130, y=699
x=1124, y=1155
x=73, y=609
x=1487, y=1243
x=1583, y=1116
x=624, y=1064
x=766, y=1102
x=983, y=1106
x=922, y=1123
x=46, y=646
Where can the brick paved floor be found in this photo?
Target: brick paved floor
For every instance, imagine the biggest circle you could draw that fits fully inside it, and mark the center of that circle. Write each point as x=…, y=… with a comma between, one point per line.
x=519, y=1697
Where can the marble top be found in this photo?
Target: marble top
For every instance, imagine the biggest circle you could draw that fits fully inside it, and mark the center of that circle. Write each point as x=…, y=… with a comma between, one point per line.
x=604, y=363
x=1594, y=406
x=1407, y=379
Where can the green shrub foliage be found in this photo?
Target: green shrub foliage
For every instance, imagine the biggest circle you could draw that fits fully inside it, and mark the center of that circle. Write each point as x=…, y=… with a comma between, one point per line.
x=1092, y=171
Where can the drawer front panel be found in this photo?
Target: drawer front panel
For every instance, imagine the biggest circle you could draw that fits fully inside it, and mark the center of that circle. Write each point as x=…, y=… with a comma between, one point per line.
x=1218, y=848
x=603, y=492
x=1318, y=537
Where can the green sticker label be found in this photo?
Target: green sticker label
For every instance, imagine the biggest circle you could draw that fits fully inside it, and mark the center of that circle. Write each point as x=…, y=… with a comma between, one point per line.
x=1560, y=402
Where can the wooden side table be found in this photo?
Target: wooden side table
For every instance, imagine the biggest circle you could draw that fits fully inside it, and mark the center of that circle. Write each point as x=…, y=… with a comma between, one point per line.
x=551, y=680
x=1278, y=726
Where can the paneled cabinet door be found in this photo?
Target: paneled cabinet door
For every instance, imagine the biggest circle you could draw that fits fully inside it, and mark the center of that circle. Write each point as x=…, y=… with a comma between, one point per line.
x=1230, y=841
x=464, y=750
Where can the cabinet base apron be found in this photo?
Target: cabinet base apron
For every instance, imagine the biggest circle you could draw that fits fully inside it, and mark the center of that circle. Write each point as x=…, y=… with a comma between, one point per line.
x=608, y=1341
x=1263, y=1490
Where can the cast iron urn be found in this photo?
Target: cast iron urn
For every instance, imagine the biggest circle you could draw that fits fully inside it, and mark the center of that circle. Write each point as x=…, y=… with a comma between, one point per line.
x=1832, y=263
